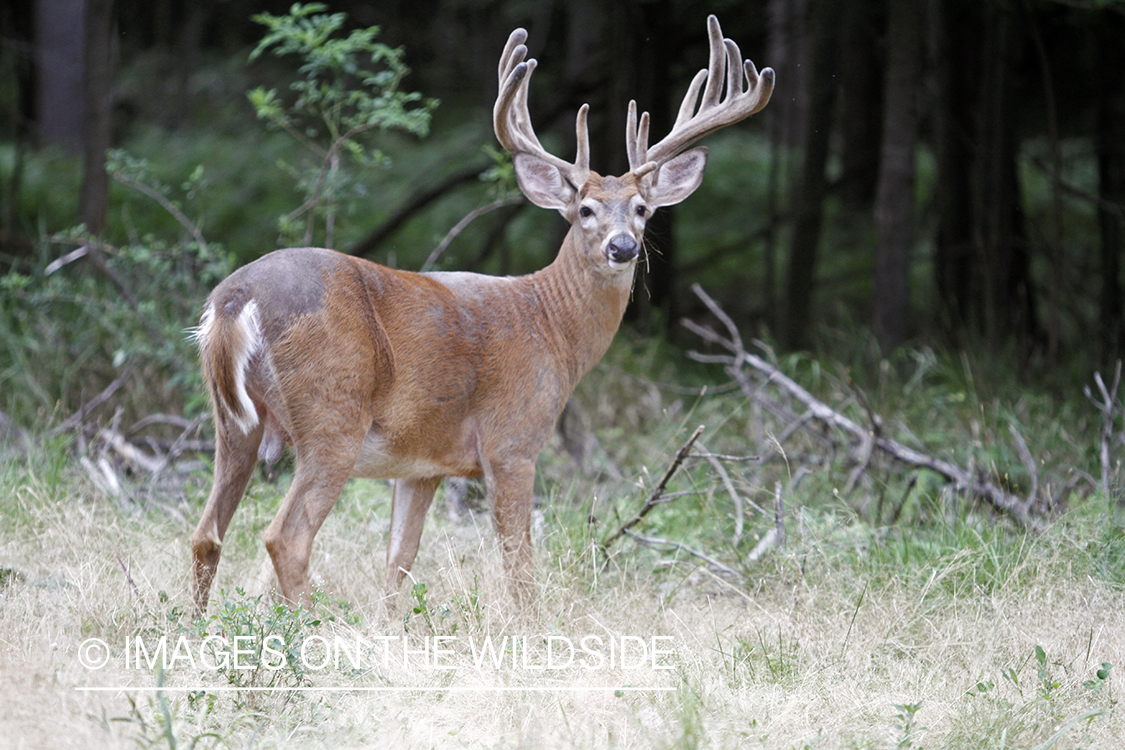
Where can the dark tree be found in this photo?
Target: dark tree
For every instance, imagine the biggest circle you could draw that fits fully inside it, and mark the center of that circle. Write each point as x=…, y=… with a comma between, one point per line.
x=810, y=190
x=894, y=203
x=861, y=100
x=1110, y=146
x=983, y=264
x=97, y=96
x=59, y=63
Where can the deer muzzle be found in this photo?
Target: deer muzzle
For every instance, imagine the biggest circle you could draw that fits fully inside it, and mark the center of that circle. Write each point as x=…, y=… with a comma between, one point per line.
x=622, y=248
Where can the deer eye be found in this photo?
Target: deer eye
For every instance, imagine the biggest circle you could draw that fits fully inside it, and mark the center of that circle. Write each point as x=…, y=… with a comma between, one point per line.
x=585, y=212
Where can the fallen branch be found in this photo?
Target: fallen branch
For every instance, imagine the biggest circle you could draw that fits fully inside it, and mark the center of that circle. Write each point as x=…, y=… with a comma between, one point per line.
x=964, y=480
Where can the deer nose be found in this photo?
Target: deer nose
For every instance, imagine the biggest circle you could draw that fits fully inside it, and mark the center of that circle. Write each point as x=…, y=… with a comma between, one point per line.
x=622, y=249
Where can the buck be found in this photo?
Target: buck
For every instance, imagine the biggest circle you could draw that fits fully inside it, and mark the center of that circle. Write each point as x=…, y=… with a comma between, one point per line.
x=374, y=372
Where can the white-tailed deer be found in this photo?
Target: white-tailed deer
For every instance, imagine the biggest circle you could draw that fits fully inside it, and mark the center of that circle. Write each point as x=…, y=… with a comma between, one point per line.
x=373, y=372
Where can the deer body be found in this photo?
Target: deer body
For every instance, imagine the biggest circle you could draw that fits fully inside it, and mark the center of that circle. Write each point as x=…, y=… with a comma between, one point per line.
x=369, y=371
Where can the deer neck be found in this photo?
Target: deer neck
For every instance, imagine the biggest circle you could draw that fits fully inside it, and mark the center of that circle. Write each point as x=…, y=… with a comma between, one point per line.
x=583, y=306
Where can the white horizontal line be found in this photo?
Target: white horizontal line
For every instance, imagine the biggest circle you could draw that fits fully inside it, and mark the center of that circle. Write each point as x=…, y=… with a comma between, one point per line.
x=418, y=688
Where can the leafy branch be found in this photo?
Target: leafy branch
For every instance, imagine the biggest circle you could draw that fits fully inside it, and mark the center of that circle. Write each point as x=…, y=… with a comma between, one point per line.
x=347, y=86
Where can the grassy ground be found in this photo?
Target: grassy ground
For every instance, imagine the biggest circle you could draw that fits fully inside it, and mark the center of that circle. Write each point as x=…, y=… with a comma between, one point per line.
x=947, y=628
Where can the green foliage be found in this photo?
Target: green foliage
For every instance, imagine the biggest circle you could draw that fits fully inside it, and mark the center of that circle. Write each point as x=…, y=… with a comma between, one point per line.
x=347, y=87
x=446, y=619
x=1101, y=677
x=274, y=636
x=66, y=330
x=906, y=723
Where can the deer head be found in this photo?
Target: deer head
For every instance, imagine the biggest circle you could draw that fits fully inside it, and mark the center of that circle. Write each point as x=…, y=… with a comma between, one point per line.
x=611, y=212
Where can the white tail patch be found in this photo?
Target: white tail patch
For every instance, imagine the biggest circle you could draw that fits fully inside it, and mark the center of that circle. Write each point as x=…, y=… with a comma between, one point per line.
x=250, y=337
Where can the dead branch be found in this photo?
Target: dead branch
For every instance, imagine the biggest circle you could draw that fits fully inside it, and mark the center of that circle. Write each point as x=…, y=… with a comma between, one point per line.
x=77, y=417
x=654, y=497
x=763, y=546
x=1107, y=406
x=964, y=480
x=723, y=457
x=1028, y=463
x=131, y=454
x=736, y=499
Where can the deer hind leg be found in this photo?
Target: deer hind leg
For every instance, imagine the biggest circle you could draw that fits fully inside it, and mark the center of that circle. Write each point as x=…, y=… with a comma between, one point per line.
x=411, y=500
x=236, y=455
x=511, y=488
x=322, y=470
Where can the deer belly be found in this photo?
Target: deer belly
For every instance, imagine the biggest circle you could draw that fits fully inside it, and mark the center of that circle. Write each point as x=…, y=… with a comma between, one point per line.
x=378, y=460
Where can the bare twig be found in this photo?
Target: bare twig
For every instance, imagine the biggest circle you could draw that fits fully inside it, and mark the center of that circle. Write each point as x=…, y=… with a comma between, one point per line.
x=1107, y=408
x=92, y=251
x=511, y=200
x=1028, y=463
x=167, y=205
x=865, y=452
x=128, y=577
x=724, y=457
x=778, y=515
x=179, y=444
x=75, y=418
x=412, y=206
x=736, y=499
x=654, y=497
x=695, y=553
x=763, y=546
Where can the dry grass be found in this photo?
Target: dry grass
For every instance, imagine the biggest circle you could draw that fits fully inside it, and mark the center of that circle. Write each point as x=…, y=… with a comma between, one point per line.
x=817, y=650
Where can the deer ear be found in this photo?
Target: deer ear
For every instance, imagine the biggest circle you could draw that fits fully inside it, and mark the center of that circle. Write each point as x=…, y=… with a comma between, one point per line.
x=678, y=178
x=542, y=183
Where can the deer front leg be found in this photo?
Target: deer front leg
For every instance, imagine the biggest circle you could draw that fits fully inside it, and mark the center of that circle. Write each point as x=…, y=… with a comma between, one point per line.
x=410, y=501
x=512, y=487
x=236, y=455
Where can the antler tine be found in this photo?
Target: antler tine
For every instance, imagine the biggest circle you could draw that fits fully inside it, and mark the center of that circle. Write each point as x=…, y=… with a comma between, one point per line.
x=636, y=139
x=747, y=92
x=511, y=118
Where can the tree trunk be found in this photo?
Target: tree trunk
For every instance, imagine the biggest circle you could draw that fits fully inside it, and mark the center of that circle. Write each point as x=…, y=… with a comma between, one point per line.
x=655, y=24
x=809, y=193
x=789, y=51
x=59, y=45
x=894, y=207
x=1009, y=298
x=983, y=265
x=861, y=102
x=956, y=41
x=98, y=107
x=1110, y=143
